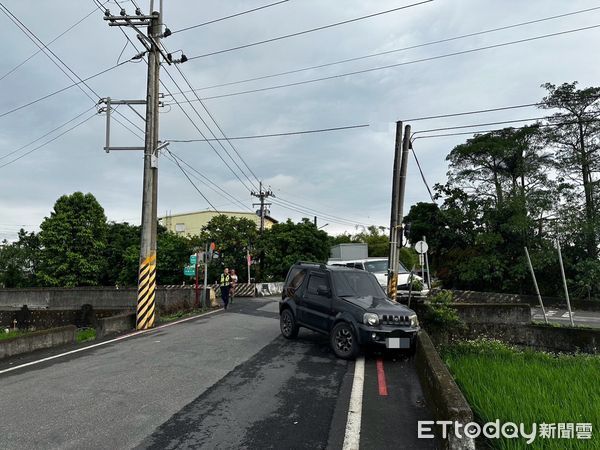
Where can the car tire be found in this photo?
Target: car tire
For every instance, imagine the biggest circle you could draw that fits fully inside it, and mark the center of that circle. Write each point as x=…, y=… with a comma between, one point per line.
x=343, y=341
x=287, y=324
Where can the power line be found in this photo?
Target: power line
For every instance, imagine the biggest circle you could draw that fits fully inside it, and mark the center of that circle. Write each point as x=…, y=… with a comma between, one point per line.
x=230, y=16
x=311, y=30
x=422, y=174
x=204, y=136
x=48, y=142
x=44, y=48
x=405, y=63
x=49, y=43
x=223, y=193
x=457, y=127
x=464, y=133
x=46, y=134
x=287, y=133
x=218, y=126
x=372, y=55
x=193, y=184
x=102, y=72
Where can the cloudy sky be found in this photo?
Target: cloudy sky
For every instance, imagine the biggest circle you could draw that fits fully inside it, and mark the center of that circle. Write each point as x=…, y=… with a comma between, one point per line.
x=345, y=175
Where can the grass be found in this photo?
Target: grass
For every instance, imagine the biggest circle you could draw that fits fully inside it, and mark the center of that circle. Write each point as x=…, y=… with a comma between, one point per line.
x=528, y=387
x=11, y=334
x=181, y=315
x=85, y=334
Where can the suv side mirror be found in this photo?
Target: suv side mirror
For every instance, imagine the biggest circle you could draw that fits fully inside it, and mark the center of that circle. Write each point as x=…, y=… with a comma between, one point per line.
x=323, y=290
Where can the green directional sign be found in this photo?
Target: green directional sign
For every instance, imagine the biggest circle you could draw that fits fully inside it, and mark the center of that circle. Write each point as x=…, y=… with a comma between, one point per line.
x=193, y=260
x=189, y=271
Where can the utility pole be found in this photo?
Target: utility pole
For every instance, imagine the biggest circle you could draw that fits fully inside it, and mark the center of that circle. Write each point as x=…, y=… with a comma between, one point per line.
x=145, y=316
x=393, y=258
x=262, y=195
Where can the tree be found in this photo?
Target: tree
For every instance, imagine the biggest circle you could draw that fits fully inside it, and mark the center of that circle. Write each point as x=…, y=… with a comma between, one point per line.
x=575, y=137
x=19, y=261
x=73, y=241
x=232, y=237
x=377, y=240
x=123, y=241
x=287, y=243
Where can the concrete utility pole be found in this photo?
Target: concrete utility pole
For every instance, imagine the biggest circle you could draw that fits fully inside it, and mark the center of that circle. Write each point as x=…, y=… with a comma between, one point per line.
x=262, y=195
x=147, y=269
x=393, y=258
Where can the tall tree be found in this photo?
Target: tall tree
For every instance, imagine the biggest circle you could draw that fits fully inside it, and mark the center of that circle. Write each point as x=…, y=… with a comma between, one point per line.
x=576, y=138
x=288, y=242
x=73, y=241
x=19, y=261
x=232, y=237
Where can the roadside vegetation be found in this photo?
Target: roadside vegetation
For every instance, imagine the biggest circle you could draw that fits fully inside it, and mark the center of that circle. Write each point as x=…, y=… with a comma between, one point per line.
x=11, y=334
x=181, y=315
x=85, y=334
x=526, y=386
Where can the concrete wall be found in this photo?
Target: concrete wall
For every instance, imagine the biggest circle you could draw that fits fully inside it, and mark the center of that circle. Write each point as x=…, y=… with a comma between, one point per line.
x=101, y=298
x=43, y=319
x=493, y=313
x=37, y=340
x=119, y=323
x=443, y=396
x=541, y=337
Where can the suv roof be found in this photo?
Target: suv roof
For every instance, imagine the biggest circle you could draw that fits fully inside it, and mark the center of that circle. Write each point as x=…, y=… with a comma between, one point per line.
x=314, y=265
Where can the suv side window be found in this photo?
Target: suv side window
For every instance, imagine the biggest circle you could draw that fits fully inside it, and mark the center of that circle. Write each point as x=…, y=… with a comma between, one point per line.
x=315, y=281
x=295, y=279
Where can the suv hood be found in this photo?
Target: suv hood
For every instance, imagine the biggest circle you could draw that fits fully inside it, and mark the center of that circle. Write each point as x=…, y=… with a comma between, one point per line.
x=380, y=305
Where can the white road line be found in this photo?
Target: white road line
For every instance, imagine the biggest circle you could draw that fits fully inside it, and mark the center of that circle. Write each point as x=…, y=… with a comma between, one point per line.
x=352, y=436
x=566, y=315
x=550, y=313
x=120, y=338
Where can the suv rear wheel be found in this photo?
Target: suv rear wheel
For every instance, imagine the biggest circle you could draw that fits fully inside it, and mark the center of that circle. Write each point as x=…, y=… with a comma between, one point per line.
x=287, y=324
x=343, y=341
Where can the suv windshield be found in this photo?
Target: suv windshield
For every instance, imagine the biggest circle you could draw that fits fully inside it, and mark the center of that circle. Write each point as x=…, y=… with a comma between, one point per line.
x=356, y=284
x=376, y=266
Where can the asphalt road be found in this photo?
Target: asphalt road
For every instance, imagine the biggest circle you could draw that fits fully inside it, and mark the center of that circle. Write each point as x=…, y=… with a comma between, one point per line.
x=561, y=316
x=226, y=380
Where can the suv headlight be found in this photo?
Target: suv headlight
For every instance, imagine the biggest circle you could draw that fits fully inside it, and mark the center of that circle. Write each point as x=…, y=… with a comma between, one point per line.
x=414, y=321
x=371, y=319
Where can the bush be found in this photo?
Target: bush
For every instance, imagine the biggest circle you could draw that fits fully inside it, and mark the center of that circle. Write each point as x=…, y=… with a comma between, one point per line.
x=439, y=315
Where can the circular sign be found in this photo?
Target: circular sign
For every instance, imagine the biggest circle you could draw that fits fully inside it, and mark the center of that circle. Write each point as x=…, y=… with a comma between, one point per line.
x=421, y=247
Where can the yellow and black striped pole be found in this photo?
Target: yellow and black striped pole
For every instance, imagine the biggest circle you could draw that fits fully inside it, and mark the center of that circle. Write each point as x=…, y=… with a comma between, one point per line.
x=146, y=293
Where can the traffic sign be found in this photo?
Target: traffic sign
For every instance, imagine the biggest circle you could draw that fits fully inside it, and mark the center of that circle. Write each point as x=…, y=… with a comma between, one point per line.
x=193, y=260
x=189, y=271
x=421, y=247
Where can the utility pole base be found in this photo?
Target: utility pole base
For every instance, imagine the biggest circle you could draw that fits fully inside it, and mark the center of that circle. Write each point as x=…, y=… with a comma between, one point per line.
x=393, y=286
x=146, y=294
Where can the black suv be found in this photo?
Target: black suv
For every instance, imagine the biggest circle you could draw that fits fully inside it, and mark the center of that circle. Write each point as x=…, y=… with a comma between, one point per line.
x=347, y=304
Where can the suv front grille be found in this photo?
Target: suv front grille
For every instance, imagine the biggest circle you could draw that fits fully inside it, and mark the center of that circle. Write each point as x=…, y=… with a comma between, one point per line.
x=388, y=319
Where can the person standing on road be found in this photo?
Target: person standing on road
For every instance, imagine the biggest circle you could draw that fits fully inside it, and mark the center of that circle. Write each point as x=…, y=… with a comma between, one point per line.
x=225, y=283
x=234, y=280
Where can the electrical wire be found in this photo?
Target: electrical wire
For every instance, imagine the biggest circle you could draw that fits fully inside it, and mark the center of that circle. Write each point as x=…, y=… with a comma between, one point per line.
x=373, y=55
x=465, y=133
x=205, y=179
x=46, y=134
x=204, y=136
x=49, y=43
x=194, y=184
x=311, y=30
x=102, y=72
x=218, y=126
x=230, y=16
x=405, y=63
x=287, y=133
x=422, y=174
x=48, y=142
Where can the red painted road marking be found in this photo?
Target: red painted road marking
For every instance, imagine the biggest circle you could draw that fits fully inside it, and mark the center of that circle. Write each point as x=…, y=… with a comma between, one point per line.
x=381, y=378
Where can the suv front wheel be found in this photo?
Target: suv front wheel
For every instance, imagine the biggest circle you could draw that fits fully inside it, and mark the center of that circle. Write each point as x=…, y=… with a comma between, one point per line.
x=287, y=324
x=343, y=341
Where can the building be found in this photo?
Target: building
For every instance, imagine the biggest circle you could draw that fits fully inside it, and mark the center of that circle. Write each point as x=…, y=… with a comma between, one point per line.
x=191, y=223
